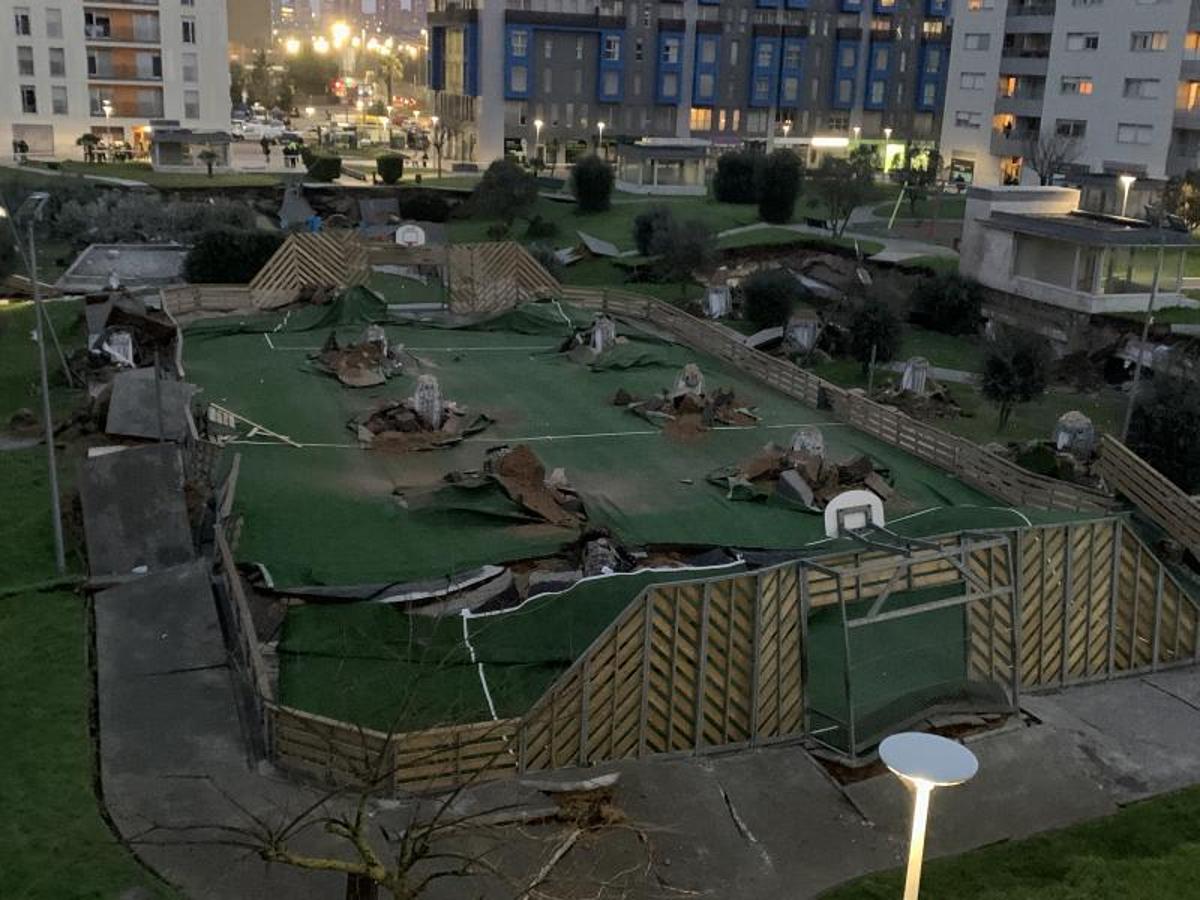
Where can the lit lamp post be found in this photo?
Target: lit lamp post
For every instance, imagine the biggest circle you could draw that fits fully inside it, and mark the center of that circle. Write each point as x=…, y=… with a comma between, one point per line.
x=31, y=213
x=787, y=127
x=600, y=139
x=887, y=140
x=924, y=762
x=537, y=138
x=437, y=143
x=857, y=134
x=1126, y=183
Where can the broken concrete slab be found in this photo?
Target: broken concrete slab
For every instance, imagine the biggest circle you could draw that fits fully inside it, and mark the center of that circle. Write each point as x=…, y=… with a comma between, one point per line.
x=134, y=511
x=134, y=410
x=794, y=488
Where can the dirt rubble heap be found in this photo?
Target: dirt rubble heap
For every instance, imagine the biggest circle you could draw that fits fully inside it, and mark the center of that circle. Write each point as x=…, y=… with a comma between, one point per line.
x=423, y=421
x=687, y=407
x=589, y=344
x=368, y=363
x=800, y=474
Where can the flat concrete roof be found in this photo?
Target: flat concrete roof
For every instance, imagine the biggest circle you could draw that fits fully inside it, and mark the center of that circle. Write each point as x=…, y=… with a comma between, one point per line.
x=1095, y=230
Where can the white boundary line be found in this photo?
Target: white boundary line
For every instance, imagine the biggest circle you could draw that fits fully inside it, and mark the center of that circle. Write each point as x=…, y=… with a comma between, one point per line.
x=487, y=694
x=521, y=349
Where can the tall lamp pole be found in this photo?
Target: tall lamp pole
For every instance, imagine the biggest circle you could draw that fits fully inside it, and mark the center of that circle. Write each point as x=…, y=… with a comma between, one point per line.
x=924, y=762
x=31, y=213
x=1141, y=350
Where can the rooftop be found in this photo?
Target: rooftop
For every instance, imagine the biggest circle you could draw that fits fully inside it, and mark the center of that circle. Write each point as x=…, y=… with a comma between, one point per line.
x=1092, y=229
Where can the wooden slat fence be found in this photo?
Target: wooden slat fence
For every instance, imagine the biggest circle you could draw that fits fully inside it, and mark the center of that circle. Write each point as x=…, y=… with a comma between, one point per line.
x=196, y=300
x=991, y=474
x=1155, y=495
x=694, y=667
x=325, y=259
x=493, y=277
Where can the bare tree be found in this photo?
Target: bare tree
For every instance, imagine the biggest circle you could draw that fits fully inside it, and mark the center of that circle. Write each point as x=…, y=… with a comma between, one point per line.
x=1048, y=154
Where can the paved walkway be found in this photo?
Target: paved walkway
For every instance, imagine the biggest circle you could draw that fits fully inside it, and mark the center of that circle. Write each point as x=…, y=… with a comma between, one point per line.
x=765, y=824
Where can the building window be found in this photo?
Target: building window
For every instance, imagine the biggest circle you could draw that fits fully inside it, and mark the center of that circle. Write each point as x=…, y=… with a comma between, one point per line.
x=733, y=53
x=933, y=28
x=191, y=68
x=58, y=100
x=967, y=119
x=706, y=84
x=1075, y=84
x=1142, y=88
x=519, y=42
x=518, y=79
x=191, y=104
x=933, y=61
x=1146, y=41
x=791, y=89
x=21, y=21
x=612, y=48
x=708, y=52
x=972, y=81
x=24, y=60
x=189, y=30
x=54, y=22
x=28, y=98
x=845, y=90
x=1070, y=128
x=929, y=94
x=639, y=51
x=847, y=60
x=765, y=54
x=58, y=62
x=670, y=51
x=547, y=81
x=877, y=92
x=578, y=48
x=701, y=119
x=670, y=84
x=1128, y=133
x=612, y=84
x=978, y=41
x=1081, y=40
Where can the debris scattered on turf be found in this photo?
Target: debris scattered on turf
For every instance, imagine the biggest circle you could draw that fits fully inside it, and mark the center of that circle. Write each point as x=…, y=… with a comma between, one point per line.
x=687, y=409
x=800, y=476
x=586, y=345
x=523, y=476
x=423, y=421
x=369, y=363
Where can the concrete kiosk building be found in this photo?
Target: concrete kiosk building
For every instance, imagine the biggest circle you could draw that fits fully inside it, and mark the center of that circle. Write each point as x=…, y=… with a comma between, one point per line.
x=509, y=76
x=1115, y=81
x=110, y=68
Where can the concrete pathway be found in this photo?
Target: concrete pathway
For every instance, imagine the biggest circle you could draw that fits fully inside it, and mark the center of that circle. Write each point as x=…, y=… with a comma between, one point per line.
x=894, y=249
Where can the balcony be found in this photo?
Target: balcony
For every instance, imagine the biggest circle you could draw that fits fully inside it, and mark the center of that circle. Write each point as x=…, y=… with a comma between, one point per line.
x=1013, y=142
x=128, y=109
x=1014, y=62
x=1187, y=119
x=123, y=72
x=1021, y=103
x=119, y=35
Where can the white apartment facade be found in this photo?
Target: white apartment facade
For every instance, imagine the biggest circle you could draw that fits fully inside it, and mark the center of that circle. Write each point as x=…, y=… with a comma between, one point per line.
x=1114, y=83
x=114, y=69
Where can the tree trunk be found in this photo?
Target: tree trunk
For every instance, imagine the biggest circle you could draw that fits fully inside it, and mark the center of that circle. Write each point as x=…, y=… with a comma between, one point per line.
x=359, y=887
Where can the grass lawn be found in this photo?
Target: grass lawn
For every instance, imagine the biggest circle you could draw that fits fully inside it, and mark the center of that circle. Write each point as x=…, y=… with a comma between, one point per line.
x=937, y=264
x=943, y=350
x=1147, y=850
x=776, y=236
x=137, y=171
x=932, y=208
x=1170, y=315
x=606, y=273
x=19, y=383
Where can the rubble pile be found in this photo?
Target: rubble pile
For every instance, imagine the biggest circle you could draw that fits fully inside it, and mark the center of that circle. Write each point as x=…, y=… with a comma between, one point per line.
x=123, y=334
x=423, y=421
x=918, y=394
x=369, y=363
x=522, y=476
x=800, y=474
x=588, y=344
x=687, y=405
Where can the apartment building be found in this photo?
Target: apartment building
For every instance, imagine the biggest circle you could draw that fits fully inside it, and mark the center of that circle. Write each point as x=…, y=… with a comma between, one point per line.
x=1109, y=87
x=114, y=69
x=813, y=73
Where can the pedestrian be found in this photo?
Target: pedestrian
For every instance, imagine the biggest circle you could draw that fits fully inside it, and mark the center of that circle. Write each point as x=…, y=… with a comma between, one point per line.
x=266, y=148
x=424, y=160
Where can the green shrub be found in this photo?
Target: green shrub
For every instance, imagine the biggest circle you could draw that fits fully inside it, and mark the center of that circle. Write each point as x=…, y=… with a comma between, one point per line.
x=769, y=296
x=324, y=167
x=873, y=325
x=1165, y=429
x=506, y=191
x=424, y=205
x=592, y=184
x=230, y=255
x=948, y=303
x=540, y=228
x=544, y=254
x=781, y=178
x=737, y=177
x=498, y=231
x=649, y=223
x=1016, y=370
x=390, y=167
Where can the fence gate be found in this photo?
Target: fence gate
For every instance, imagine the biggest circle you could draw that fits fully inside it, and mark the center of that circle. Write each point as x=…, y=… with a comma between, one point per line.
x=929, y=628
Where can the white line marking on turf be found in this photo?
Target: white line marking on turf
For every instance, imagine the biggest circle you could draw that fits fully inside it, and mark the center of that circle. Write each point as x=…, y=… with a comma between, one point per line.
x=487, y=694
x=520, y=349
x=267, y=338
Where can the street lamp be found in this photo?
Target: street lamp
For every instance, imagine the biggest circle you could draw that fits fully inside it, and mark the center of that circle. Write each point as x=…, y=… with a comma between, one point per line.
x=438, y=140
x=600, y=139
x=887, y=140
x=924, y=762
x=1126, y=183
x=30, y=212
x=787, y=127
x=537, y=137
x=857, y=133
x=292, y=46
x=320, y=45
x=309, y=112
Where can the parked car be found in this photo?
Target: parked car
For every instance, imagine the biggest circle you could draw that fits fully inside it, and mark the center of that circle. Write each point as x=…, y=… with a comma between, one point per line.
x=257, y=129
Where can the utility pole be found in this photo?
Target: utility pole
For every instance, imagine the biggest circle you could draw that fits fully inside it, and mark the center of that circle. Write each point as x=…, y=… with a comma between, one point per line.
x=1137, y=365
x=32, y=210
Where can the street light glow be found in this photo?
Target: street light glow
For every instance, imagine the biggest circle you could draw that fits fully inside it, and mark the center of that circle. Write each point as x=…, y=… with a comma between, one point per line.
x=320, y=45
x=1126, y=182
x=292, y=46
x=924, y=762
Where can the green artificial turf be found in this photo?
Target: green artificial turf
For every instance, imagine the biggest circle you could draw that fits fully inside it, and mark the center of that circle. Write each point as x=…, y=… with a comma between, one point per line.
x=1147, y=851
x=143, y=172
